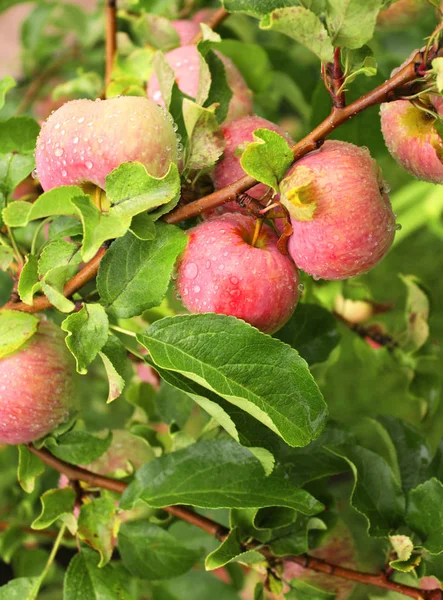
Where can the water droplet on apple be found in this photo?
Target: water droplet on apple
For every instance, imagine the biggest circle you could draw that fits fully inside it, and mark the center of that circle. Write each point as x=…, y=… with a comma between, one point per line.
x=57, y=126
x=58, y=152
x=88, y=164
x=191, y=271
x=80, y=120
x=208, y=264
x=234, y=280
x=196, y=289
x=75, y=140
x=397, y=227
x=34, y=174
x=64, y=173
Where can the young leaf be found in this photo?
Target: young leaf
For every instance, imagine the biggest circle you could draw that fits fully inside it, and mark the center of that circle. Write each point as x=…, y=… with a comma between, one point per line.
x=29, y=283
x=78, y=447
x=424, y=514
x=87, y=334
x=303, y=26
x=6, y=257
x=312, y=331
x=16, y=328
x=417, y=313
x=134, y=274
x=218, y=91
x=84, y=579
x=351, y=23
x=18, y=134
x=97, y=524
x=215, y=474
x=230, y=550
x=14, y=168
x=19, y=589
x=302, y=590
x=267, y=158
x=58, y=263
x=272, y=383
x=114, y=357
x=57, y=504
x=6, y=84
x=29, y=467
x=150, y=552
x=205, y=138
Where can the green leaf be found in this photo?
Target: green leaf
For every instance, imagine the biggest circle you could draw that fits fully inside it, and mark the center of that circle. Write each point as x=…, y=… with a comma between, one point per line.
x=29, y=282
x=29, y=467
x=254, y=8
x=6, y=257
x=84, y=579
x=114, y=357
x=55, y=202
x=301, y=590
x=252, y=60
x=57, y=504
x=134, y=274
x=267, y=158
x=377, y=494
x=19, y=589
x=437, y=67
x=351, y=23
x=230, y=550
x=194, y=585
x=14, y=168
x=403, y=546
x=294, y=539
x=18, y=134
x=312, y=331
x=206, y=141
x=150, y=552
x=58, y=263
x=85, y=85
x=97, y=526
x=215, y=474
x=424, y=514
x=159, y=32
x=218, y=91
x=417, y=313
x=303, y=26
x=131, y=190
x=272, y=383
x=78, y=447
x=87, y=334
x=6, y=84
x=143, y=227
x=16, y=328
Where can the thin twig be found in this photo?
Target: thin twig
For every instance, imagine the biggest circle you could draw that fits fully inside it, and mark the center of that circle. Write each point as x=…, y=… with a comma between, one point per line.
x=4, y=525
x=111, y=36
x=88, y=272
x=213, y=22
x=220, y=532
x=398, y=85
x=335, y=76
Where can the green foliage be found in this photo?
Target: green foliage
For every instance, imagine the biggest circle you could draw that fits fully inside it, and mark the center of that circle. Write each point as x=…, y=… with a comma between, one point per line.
x=16, y=329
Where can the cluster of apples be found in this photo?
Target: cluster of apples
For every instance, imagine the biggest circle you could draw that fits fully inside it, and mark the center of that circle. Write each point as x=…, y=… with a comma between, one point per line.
x=340, y=214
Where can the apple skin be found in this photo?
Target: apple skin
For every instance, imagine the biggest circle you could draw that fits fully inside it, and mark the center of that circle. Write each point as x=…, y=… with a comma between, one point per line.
x=204, y=15
x=221, y=272
x=37, y=389
x=353, y=225
x=185, y=62
x=85, y=140
x=412, y=139
x=239, y=133
x=400, y=14
x=186, y=30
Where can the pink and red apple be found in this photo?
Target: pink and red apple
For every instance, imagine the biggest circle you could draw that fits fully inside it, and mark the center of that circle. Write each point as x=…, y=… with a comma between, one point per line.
x=412, y=138
x=37, y=389
x=186, y=30
x=84, y=140
x=342, y=220
x=185, y=62
x=220, y=271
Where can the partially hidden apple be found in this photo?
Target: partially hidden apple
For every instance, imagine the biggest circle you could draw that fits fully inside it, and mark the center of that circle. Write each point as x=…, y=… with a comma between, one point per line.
x=186, y=30
x=220, y=271
x=342, y=220
x=84, y=140
x=37, y=389
x=185, y=62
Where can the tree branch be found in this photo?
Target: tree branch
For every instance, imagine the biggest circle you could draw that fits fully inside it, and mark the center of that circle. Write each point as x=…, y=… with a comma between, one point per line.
x=397, y=86
x=218, y=17
x=88, y=272
x=111, y=36
x=220, y=532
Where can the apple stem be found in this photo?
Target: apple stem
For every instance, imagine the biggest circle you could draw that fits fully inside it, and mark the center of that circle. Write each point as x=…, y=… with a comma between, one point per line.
x=111, y=36
x=257, y=229
x=220, y=532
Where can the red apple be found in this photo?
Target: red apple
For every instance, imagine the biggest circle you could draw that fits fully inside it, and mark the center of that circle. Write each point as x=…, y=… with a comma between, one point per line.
x=221, y=272
x=185, y=62
x=412, y=139
x=341, y=215
x=186, y=30
x=400, y=14
x=85, y=140
x=36, y=386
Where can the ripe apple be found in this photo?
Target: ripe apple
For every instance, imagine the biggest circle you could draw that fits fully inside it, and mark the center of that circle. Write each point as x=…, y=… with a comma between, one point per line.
x=185, y=62
x=220, y=271
x=412, y=139
x=342, y=220
x=186, y=30
x=238, y=134
x=37, y=389
x=400, y=14
x=85, y=140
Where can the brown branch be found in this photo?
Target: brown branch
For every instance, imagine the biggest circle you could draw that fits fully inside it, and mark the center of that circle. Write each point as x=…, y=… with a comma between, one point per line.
x=398, y=85
x=213, y=22
x=334, y=74
x=111, y=37
x=220, y=532
x=4, y=525
x=88, y=272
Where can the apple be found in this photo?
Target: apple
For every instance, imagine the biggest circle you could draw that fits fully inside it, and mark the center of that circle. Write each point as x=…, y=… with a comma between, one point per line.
x=412, y=139
x=186, y=30
x=37, y=390
x=400, y=14
x=185, y=62
x=220, y=271
x=85, y=140
x=342, y=220
x=204, y=15
x=238, y=134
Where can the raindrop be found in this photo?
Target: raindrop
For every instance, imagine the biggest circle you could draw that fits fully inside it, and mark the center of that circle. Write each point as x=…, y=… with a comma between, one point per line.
x=191, y=271
x=88, y=164
x=235, y=293
x=34, y=174
x=58, y=152
x=57, y=126
x=301, y=288
x=64, y=173
x=196, y=289
x=75, y=140
x=208, y=264
x=397, y=227
x=234, y=280
x=80, y=120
